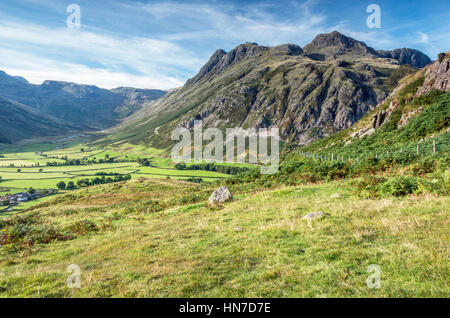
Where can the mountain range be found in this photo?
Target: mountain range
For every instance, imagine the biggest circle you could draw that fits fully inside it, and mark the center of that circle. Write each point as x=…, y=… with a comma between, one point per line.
x=310, y=93
x=61, y=107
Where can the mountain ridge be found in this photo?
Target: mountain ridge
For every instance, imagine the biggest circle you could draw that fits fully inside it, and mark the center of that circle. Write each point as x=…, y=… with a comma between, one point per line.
x=283, y=86
x=335, y=44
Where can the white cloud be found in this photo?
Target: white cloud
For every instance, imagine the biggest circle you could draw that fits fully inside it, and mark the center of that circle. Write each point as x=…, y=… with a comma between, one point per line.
x=254, y=23
x=37, y=70
x=93, y=56
x=38, y=53
x=423, y=37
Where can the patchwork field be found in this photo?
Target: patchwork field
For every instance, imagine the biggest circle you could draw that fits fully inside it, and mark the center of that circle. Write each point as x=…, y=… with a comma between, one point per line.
x=21, y=170
x=31, y=177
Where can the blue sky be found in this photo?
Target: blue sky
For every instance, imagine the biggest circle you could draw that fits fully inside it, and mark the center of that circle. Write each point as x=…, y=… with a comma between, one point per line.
x=160, y=44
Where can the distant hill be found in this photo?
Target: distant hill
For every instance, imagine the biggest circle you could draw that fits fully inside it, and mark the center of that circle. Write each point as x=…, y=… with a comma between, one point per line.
x=18, y=122
x=83, y=105
x=309, y=93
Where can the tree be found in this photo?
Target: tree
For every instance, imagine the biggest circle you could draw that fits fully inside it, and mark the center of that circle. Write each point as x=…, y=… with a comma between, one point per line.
x=180, y=166
x=31, y=191
x=19, y=170
x=83, y=183
x=61, y=185
x=70, y=185
x=40, y=170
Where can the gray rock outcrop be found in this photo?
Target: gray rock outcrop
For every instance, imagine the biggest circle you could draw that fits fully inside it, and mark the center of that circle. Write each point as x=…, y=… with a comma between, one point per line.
x=437, y=76
x=220, y=195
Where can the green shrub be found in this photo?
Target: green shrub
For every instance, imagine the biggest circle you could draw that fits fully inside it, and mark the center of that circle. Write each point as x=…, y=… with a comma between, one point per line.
x=195, y=180
x=367, y=187
x=398, y=186
x=24, y=232
x=426, y=165
x=82, y=227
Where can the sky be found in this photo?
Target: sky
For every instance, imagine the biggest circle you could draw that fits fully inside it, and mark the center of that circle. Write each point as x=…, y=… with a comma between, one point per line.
x=161, y=44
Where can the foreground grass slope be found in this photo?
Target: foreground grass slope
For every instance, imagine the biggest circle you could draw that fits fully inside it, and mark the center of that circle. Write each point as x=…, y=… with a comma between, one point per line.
x=258, y=245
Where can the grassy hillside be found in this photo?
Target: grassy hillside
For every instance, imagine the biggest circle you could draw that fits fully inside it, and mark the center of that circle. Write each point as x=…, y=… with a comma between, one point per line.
x=151, y=238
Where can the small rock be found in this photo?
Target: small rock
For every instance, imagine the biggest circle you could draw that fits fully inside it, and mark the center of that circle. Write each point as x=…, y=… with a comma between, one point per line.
x=315, y=215
x=239, y=228
x=220, y=195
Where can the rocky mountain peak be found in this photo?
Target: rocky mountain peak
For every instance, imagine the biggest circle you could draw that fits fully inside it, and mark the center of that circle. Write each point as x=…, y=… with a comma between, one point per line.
x=407, y=56
x=335, y=43
x=221, y=60
x=241, y=52
x=334, y=38
x=288, y=49
x=214, y=59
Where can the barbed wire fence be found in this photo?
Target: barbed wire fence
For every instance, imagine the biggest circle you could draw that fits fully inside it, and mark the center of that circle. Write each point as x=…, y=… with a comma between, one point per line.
x=419, y=149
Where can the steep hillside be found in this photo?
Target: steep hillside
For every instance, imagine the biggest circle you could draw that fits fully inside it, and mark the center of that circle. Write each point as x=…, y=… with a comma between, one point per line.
x=417, y=111
x=86, y=106
x=20, y=122
x=309, y=93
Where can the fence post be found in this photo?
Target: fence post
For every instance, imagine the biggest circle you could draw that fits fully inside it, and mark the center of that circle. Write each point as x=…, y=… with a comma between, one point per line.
x=434, y=146
x=417, y=148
